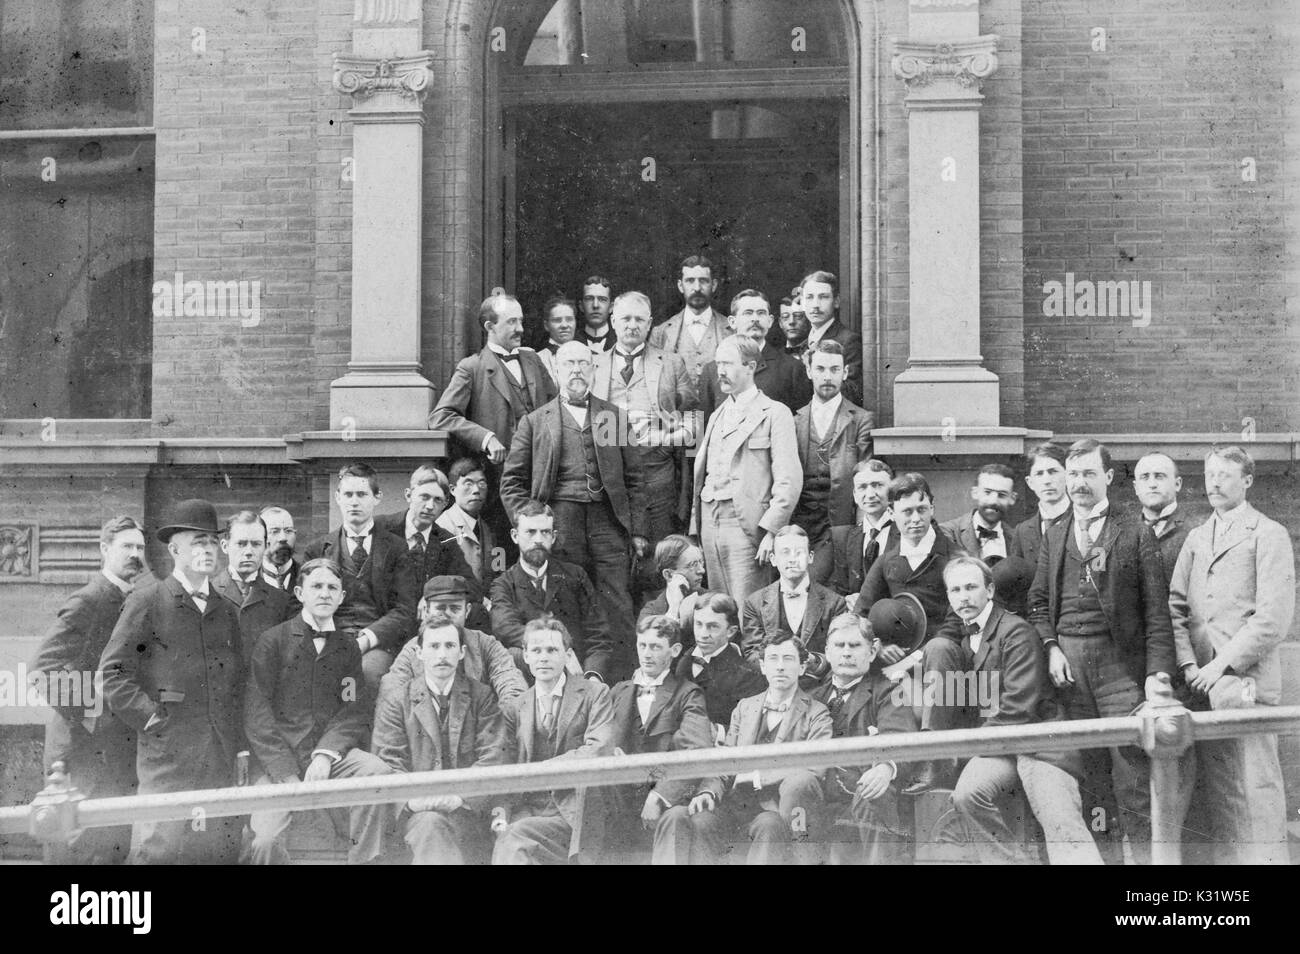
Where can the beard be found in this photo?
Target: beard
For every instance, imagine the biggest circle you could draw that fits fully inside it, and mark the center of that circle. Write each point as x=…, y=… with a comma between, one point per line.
x=281, y=554
x=536, y=556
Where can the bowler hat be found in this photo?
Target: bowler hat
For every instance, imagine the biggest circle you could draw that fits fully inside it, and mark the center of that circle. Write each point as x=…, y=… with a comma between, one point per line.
x=446, y=586
x=1011, y=579
x=900, y=621
x=195, y=514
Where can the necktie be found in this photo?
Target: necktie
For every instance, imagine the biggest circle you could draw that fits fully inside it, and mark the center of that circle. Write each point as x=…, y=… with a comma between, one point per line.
x=782, y=707
x=1084, y=538
x=444, y=705
x=243, y=586
x=539, y=584
x=552, y=346
x=645, y=690
x=200, y=601
x=872, y=551
x=984, y=533
x=548, y=717
x=417, y=546
x=836, y=701
x=358, y=552
x=628, y=360
x=972, y=629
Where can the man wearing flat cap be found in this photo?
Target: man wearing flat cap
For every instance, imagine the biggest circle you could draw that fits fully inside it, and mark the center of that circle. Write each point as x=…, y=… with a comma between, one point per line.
x=174, y=672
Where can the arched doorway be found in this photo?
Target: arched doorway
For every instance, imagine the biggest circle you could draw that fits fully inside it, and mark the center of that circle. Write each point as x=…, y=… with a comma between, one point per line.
x=626, y=134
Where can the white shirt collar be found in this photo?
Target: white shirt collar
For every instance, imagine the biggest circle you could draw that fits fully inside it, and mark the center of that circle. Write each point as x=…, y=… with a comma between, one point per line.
x=412, y=531
x=365, y=531
x=1054, y=511
x=557, y=692
x=269, y=567
x=538, y=574
x=306, y=617
x=743, y=401
x=500, y=350
x=117, y=581
x=713, y=655
x=703, y=317
x=922, y=549
x=983, y=618
x=428, y=681
x=978, y=521
x=641, y=679
x=1098, y=512
x=801, y=590
x=827, y=407
x=1230, y=516
x=1165, y=513
x=202, y=591
x=836, y=685
x=884, y=522
x=816, y=334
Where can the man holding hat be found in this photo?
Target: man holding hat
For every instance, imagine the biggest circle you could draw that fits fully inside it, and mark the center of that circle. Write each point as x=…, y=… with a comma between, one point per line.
x=174, y=672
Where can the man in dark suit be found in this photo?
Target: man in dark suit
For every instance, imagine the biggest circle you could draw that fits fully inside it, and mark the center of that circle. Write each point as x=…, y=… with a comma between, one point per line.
x=538, y=585
x=861, y=701
x=379, y=582
x=779, y=376
x=97, y=748
x=984, y=531
x=1046, y=478
x=562, y=716
x=856, y=547
x=260, y=605
x=794, y=604
x=436, y=720
x=1100, y=604
x=305, y=716
x=595, y=330
x=819, y=297
x=576, y=455
x=695, y=332
x=834, y=435
x=680, y=564
x=279, y=568
x=1156, y=484
x=1010, y=684
x=658, y=711
x=490, y=392
x=793, y=324
x=174, y=672
x=781, y=811
x=715, y=664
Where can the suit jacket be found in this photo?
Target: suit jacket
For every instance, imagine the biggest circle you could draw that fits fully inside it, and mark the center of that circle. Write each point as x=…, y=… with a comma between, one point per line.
x=1028, y=535
x=478, y=400
x=760, y=618
x=806, y=720
x=851, y=342
x=584, y=729
x=570, y=596
x=850, y=562
x=266, y=606
x=292, y=581
x=392, y=578
x=485, y=661
x=442, y=554
x=606, y=341
x=961, y=531
x=779, y=376
x=668, y=336
x=408, y=736
x=678, y=721
x=1235, y=597
x=533, y=463
x=459, y=526
x=1130, y=583
x=298, y=701
x=765, y=467
x=850, y=443
x=891, y=574
x=667, y=380
x=724, y=681
x=870, y=709
x=1171, y=538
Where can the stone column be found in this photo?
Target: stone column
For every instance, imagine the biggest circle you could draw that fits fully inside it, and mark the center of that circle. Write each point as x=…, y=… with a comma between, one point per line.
x=943, y=62
x=386, y=74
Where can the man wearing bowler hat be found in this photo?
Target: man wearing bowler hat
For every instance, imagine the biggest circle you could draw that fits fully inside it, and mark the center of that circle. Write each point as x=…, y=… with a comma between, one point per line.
x=174, y=672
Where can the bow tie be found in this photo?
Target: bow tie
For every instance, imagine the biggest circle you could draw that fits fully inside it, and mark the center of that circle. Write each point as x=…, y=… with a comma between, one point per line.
x=793, y=594
x=552, y=347
x=972, y=629
x=513, y=356
x=782, y=707
x=985, y=533
x=643, y=690
x=573, y=402
x=316, y=634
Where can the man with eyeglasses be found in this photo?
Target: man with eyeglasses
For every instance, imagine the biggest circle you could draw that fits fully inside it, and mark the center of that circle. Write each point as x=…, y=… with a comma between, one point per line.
x=464, y=519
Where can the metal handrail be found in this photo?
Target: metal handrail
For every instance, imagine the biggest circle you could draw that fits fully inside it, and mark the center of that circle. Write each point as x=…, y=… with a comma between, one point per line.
x=1164, y=732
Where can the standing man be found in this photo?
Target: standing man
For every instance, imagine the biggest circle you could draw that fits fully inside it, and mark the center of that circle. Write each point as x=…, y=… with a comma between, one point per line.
x=695, y=332
x=260, y=605
x=1046, y=478
x=596, y=332
x=984, y=532
x=776, y=374
x=654, y=390
x=575, y=455
x=747, y=475
x=490, y=392
x=468, y=479
x=279, y=568
x=1101, y=607
x=380, y=588
x=856, y=547
x=560, y=321
x=794, y=325
x=97, y=748
x=834, y=436
x=819, y=296
x=433, y=551
x=1232, y=602
x=174, y=672
x=1156, y=483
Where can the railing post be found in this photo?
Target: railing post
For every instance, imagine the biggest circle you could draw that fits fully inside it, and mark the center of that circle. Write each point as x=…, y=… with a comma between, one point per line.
x=53, y=815
x=1166, y=735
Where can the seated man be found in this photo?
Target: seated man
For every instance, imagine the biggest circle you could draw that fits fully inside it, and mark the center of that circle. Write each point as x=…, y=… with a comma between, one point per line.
x=680, y=564
x=793, y=604
x=563, y=716
x=715, y=663
x=440, y=719
x=780, y=807
x=305, y=715
x=1003, y=681
x=861, y=702
x=485, y=660
x=659, y=711
x=539, y=585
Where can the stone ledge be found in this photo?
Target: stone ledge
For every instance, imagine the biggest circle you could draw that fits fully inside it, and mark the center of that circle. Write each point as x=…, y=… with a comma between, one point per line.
x=339, y=445
x=954, y=442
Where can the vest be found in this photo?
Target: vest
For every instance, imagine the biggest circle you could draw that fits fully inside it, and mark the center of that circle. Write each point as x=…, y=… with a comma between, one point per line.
x=1081, y=612
x=721, y=452
x=448, y=760
x=360, y=608
x=543, y=744
x=521, y=398
x=782, y=621
x=578, y=476
x=811, y=512
x=766, y=735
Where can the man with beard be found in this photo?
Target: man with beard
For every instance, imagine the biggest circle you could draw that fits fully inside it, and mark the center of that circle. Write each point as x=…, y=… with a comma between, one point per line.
x=820, y=299
x=794, y=325
x=575, y=454
x=279, y=568
x=1046, y=478
x=468, y=479
x=596, y=332
x=97, y=750
x=834, y=435
x=776, y=374
x=1100, y=604
x=539, y=585
x=560, y=321
x=1156, y=483
x=259, y=604
x=174, y=672
x=695, y=332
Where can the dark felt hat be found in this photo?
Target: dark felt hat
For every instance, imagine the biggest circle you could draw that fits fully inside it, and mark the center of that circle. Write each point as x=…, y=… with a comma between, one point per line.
x=195, y=514
x=1011, y=579
x=446, y=586
x=900, y=621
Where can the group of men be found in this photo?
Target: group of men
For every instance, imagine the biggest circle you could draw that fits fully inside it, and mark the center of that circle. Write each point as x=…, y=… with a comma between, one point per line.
x=577, y=585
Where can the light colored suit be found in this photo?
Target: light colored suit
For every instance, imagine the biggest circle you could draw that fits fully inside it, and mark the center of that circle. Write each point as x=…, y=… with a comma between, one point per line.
x=669, y=335
x=1234, y=597
x=667, y=379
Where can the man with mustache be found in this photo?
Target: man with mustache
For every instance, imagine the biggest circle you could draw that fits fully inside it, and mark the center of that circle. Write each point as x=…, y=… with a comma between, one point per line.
x=819, y=297
x=596, y=332
x=97, y=750
x=260, y=605
x=576, y=455
x=984, y=531
x=695, y=332
x=279, y=568
x=560, y=321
